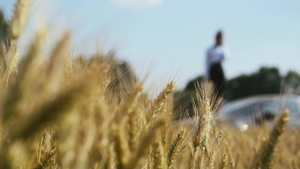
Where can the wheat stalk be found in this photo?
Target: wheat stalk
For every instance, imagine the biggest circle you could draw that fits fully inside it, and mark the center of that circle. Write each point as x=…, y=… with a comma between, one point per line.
x=144, y=143
x=17, y=91
x=159, y=103
x=264, y=156
x=208, y=104
x=175, y=147
x=19, y=19
x=223, y=161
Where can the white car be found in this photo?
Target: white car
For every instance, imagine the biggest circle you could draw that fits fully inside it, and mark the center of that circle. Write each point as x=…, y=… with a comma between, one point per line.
x=265, y=108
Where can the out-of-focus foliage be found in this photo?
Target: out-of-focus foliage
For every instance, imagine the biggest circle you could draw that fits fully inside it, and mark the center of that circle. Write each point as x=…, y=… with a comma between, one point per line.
x=4, y=28
x=265, y=81
x=183, y=106
x=292, y=81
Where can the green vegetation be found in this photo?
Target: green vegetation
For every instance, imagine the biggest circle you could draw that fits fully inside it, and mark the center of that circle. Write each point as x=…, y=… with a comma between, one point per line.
x=4, y=27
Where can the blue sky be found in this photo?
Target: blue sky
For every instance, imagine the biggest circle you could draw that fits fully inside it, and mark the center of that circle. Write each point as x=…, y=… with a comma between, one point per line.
x=170, y=37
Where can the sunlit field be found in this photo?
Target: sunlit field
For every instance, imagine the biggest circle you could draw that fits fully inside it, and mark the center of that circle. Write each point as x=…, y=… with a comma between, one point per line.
x=59, y=111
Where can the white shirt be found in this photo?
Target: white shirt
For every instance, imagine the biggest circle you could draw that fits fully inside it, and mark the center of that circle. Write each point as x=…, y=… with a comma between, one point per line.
x=215, y=54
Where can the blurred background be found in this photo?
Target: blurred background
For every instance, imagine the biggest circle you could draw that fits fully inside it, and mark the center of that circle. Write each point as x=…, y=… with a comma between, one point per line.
x=169, y=38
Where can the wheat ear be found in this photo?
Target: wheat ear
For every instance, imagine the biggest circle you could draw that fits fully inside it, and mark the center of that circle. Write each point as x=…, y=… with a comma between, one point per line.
x=160, y=101
x=265, y=154
x=175, y=147
x=144, y=144
x=19, y=19
x=223, y=161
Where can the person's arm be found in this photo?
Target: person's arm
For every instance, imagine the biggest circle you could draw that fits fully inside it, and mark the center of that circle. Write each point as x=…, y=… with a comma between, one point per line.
x=226, y=52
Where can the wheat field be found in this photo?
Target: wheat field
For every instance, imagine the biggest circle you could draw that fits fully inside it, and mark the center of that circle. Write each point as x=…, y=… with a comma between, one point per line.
x=58, y=111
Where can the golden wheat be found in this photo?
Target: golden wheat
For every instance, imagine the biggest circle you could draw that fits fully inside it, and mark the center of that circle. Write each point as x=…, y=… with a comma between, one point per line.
x=61, y=111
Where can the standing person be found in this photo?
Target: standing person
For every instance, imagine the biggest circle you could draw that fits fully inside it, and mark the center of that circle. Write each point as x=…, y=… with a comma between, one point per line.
x=214, y=57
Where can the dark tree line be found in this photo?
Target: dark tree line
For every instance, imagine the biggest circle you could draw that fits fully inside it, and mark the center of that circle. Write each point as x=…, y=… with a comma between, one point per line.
x=265, y=81
x=4, y=28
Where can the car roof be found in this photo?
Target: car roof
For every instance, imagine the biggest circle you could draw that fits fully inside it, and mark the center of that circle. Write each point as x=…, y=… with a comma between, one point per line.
x=258, y=98
x=266, y=97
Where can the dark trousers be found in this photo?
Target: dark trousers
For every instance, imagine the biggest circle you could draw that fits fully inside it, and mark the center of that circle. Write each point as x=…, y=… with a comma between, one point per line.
x=217, y=76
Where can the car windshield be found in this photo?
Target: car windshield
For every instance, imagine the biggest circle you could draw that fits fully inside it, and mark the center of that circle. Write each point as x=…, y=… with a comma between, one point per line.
x=250, y=107
x=279, y=107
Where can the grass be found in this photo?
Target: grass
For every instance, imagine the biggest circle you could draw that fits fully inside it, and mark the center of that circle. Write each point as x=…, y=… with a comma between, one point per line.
x=63, y=112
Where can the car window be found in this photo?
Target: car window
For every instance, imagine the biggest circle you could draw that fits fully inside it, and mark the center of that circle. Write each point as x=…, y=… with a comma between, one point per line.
x=251, y=109
x=279, y=107
x=228, y=109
